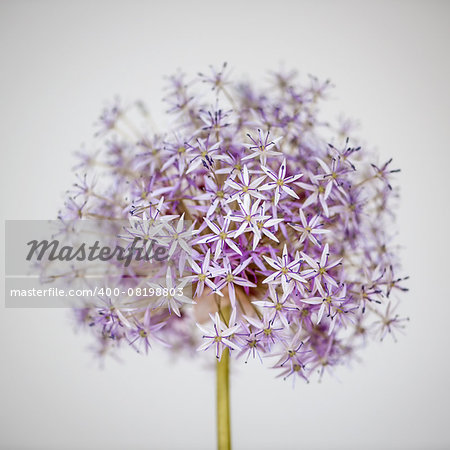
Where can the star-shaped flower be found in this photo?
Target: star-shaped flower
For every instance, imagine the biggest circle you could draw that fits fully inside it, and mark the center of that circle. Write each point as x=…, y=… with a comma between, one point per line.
x=205, y=154
x=219, y=336
x=261, y=147
x=319, y=269
x=279, y=306
x=172, y=295
x=286, y=270
x=243, y=186
x=248, y=217
x=204, y=274
x=309, y=228
x=221, y=236
x=280, y=181
x=330, y=300
x=141, y=335
x=215, y=196
x=231, y=277
x=319, y=194
x=264, y=225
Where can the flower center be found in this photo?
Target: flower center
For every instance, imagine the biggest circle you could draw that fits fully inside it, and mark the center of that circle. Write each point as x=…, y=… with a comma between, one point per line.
x=230, y=277
x=143, y=333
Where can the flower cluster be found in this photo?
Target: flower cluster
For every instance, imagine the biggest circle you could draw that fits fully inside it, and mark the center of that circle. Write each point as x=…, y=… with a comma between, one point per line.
x=276, y=219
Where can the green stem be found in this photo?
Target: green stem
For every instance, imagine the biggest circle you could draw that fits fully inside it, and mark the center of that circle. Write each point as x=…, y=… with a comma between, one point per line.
x=223, y=402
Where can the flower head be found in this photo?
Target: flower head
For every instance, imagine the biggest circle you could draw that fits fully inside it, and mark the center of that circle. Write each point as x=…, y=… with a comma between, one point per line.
x=278, y=242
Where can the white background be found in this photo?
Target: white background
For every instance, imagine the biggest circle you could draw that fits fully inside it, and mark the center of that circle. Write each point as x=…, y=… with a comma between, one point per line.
x=59, y=63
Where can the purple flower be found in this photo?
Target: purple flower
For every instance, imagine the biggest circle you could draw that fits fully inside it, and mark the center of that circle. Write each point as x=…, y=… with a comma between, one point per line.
x=141, y=335
x=318, y=194
x=309, y=228
x=247, y=218
x=171, y=294
x=230, y=277
x=204, y=154
x=204, y=274
x=330, y=300
x=285, y=270
x=215, y=195
x=319, y=269
x=279, y=306
x=221, y=237
x=218, y=336
x=262, y=147
x=280, y=181
x=244, y=187
x=292, y=358
x=389, y=322
x=289, y=236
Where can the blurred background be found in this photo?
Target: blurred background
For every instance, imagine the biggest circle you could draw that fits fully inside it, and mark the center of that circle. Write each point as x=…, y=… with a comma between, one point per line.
x=61, y=61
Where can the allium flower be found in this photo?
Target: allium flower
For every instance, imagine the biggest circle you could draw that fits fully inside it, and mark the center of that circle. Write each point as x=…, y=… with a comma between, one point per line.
x=285, y=240
x=221, y=236
x=262, y=147
x=171, y=296
x=285, y=270
x=319, y=271
x=141, y=335
x=279, y=182
x=309, y=228
x=203, y=274
x=219, y=336
x=280, y=306
x=247, y=218
x=292, y=358
x=243, y=187
x=231, y=278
